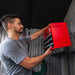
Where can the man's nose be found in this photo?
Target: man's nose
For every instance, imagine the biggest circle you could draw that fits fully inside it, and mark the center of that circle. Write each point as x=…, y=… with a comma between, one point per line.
x=22, y=26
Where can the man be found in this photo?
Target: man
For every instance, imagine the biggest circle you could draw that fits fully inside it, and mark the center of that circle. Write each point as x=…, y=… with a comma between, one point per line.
x=14, y=55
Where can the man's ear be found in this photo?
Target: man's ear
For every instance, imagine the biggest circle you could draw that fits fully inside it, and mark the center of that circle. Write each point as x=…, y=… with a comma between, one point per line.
x=9, y=25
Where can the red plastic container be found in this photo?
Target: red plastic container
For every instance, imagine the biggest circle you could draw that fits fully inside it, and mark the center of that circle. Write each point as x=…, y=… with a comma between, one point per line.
x=59, y=33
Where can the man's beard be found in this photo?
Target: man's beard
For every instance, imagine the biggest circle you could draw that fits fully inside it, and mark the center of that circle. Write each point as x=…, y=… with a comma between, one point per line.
x=18, y=32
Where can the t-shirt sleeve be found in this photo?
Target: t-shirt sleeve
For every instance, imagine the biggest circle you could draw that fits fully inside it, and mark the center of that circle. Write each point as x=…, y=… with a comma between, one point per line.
x=16, y=55
x=27, y=39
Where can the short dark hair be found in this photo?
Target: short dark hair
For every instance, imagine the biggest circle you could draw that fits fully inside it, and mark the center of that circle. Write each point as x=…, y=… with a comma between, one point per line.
x=8, y=19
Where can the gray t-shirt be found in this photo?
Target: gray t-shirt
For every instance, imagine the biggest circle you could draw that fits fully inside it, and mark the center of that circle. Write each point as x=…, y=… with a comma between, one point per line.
x=12, y=52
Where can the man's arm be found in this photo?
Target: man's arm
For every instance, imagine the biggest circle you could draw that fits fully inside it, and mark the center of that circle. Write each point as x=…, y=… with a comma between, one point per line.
x=31, y=62
x=38, y=33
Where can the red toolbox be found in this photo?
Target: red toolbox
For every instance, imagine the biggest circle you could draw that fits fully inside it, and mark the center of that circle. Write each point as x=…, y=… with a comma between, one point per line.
x=57, y=35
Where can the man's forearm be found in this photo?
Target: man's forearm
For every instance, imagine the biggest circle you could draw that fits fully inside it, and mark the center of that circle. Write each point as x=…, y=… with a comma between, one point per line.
x=38, y=33
x=35, y=60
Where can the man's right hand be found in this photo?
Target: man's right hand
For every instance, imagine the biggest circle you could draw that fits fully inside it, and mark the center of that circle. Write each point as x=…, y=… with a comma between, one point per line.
x=48, y=51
